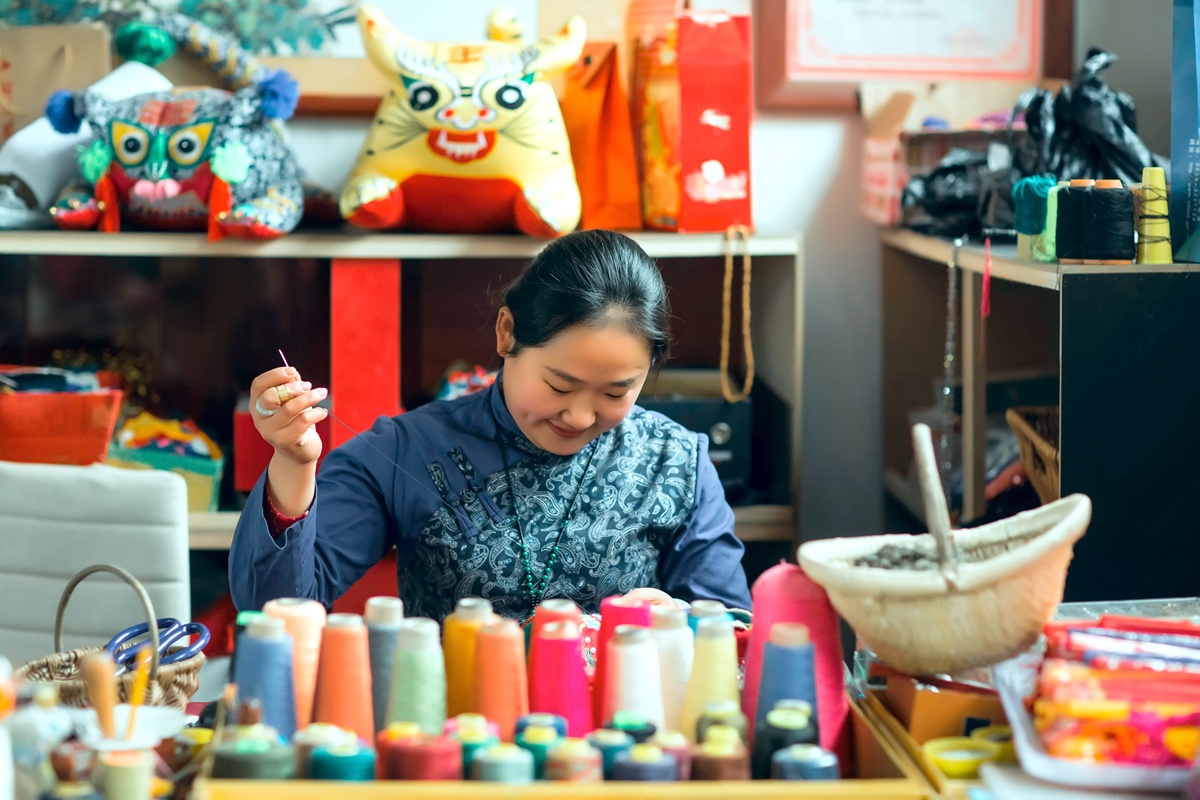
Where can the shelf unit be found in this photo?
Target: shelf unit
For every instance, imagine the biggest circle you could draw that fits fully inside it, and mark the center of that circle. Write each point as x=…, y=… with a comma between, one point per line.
x=365, y=334
x=1122, y=341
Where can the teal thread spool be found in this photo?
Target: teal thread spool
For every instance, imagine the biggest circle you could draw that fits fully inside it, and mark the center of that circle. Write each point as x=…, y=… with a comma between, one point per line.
x=473, y=733
x=610, y=743
x=346, y=762
x=539, y=741
x=317, y=735
x=419, y=677
x=706, y=608
x=503, y=763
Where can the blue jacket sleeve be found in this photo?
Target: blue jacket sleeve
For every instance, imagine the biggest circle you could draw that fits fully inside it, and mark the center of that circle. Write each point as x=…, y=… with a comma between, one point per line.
x=703, y=561
x=348, y=529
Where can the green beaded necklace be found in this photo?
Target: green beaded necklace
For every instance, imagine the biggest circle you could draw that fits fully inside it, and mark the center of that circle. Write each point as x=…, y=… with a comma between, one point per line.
x=536, y=593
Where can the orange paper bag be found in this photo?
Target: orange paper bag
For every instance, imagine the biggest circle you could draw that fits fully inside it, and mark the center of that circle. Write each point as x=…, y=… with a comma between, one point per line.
x=692, y=101
x=596, y=114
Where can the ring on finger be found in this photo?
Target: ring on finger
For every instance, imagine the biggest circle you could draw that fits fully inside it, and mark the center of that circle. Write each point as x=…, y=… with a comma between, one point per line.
x=266, y=412
x=284, y=394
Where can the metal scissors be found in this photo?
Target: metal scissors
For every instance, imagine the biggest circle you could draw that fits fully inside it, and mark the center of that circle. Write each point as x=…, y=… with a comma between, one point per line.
x=170, y=631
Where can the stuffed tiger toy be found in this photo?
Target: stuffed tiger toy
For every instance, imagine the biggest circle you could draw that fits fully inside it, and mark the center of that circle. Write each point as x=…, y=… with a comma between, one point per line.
x=470, y=138
x=193, y=158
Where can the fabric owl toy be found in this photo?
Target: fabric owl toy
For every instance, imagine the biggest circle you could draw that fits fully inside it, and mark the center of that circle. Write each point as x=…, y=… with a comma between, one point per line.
x=470, y=138
x=185, y=158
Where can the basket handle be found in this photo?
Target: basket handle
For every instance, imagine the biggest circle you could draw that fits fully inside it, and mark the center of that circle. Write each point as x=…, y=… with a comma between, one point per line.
x=124, y=575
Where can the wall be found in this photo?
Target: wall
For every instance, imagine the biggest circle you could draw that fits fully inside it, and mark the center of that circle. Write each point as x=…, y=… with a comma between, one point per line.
x=1140, y=34
x=805, y=178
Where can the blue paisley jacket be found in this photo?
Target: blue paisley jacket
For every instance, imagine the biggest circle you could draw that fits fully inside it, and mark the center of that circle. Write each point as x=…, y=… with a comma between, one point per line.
x=650, y=513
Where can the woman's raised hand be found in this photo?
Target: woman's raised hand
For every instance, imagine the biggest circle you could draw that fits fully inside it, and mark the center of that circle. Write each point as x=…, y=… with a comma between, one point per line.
x=284, y=412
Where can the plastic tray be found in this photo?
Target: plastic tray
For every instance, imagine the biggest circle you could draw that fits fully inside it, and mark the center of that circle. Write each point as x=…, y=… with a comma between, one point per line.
x=1014, y=680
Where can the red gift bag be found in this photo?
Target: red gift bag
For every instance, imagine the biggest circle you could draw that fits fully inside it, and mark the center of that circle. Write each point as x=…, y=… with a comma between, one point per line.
x=692, y=105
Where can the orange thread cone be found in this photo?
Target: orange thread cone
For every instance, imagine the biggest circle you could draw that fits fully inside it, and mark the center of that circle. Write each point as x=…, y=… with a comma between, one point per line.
x=500, y=688
x=344, y=677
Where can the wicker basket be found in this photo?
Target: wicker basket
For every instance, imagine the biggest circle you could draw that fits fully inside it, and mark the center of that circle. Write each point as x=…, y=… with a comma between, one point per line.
x=170, y=684
x=1036, y=428
x=991, y=607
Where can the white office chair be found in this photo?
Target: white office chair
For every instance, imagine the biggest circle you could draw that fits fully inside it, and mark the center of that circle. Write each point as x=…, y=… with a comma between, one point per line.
x=56, y=520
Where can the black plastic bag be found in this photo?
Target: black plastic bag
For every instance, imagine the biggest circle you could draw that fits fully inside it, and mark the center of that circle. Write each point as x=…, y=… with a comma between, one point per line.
x=946, y=201
x=1089, y=130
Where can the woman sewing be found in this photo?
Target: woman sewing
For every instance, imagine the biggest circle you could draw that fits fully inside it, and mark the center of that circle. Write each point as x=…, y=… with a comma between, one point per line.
x=550, y=483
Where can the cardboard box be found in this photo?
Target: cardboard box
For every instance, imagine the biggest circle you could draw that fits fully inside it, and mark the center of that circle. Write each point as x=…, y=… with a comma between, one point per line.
x=930, y=712
x=897, y=147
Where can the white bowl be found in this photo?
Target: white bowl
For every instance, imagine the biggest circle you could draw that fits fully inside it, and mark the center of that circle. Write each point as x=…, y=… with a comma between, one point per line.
x=152, y=724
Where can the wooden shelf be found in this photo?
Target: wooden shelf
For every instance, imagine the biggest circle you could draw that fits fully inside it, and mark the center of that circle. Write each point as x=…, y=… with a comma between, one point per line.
x=351, y=244
x=214, y=531
x=1006, y=265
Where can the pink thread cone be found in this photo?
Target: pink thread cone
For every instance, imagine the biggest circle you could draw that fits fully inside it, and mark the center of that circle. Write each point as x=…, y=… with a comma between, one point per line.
x=558, y=680
x=785, y=594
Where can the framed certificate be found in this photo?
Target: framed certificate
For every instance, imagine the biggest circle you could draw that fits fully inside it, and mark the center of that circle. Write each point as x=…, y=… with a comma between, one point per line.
x=812, y=53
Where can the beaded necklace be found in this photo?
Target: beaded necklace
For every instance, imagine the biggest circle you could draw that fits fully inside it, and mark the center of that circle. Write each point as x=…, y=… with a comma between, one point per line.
x=537, y=593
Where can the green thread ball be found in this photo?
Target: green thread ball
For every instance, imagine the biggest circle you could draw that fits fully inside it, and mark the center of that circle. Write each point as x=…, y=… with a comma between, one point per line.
x=138, y=41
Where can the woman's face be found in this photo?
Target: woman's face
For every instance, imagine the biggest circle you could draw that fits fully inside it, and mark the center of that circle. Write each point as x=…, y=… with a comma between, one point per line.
x=575, y=387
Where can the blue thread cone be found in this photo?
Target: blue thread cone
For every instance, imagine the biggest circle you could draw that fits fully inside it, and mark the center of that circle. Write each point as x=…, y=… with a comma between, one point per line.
x=789, y=671
x=264, y=672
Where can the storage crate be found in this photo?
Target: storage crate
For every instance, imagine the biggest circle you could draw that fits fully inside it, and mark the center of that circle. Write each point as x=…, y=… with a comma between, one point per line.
x=60, y=427
x=1036, y=428
x=202, y=475
x=883, y=772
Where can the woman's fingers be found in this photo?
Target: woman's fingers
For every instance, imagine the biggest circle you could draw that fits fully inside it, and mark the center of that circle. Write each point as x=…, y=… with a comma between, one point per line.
x=303, y=399
x=271, y=378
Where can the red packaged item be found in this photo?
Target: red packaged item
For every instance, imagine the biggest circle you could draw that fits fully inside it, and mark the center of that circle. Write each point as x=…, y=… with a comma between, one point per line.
x=252, y=454
x=692, y=103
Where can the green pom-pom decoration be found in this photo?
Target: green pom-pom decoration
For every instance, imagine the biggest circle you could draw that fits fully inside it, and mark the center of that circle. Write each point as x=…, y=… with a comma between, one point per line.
x=138, y=41
x=94, y=161
x=231, y=162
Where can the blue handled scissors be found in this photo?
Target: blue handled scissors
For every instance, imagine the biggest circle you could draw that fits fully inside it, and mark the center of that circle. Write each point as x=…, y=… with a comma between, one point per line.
x=170, y=631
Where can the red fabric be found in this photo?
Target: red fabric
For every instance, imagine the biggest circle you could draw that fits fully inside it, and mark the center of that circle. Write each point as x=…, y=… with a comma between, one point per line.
x=277, y=523
x=220, y=201
x=439, y=204
x=252, y=453
x=77, y=219
x=364, y=343
x=110, y=209
x=386, y=212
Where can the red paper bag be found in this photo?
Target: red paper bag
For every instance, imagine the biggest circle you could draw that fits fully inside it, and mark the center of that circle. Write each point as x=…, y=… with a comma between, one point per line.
x=596, y=115
x=692, y=104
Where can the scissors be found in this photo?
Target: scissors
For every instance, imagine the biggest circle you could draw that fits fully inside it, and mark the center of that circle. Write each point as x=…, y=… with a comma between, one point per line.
x=170, y=631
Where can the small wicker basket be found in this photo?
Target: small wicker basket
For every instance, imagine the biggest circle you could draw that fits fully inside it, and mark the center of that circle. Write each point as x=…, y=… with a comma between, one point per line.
x=1036, y=428
x=972, y=610
x=169, y=685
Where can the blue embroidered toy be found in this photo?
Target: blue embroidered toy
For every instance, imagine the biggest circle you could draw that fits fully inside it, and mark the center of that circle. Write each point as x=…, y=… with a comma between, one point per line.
x=193, y=158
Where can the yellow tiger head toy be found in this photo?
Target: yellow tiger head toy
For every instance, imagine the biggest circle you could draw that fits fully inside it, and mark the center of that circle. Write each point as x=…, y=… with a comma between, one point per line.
x=470, y=138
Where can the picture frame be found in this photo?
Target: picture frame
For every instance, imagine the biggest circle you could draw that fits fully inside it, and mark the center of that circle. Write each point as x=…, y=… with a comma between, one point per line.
x=782, y=84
